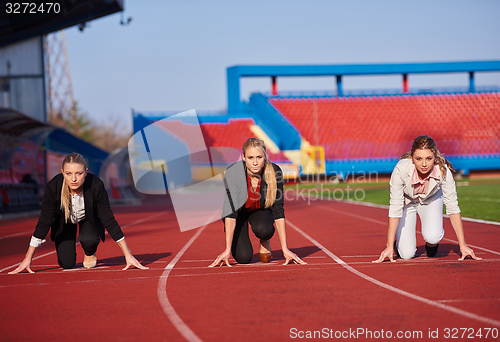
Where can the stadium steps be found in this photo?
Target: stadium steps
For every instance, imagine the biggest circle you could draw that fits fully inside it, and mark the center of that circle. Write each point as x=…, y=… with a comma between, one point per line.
x=288, y=137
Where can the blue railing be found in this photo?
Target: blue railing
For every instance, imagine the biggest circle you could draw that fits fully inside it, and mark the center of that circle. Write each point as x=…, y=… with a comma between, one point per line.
x=382, y=92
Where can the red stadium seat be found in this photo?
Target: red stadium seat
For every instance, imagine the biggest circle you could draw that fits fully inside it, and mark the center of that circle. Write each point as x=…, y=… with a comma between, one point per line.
x=383, y=126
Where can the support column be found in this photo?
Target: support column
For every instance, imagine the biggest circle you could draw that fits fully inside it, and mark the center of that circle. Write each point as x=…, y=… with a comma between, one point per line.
x=472, y=87
x=274, y=89
x=406, y=87
x=233, y=91
x=339, y=85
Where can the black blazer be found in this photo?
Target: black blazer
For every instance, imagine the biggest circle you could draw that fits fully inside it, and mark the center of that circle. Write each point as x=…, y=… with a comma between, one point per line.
x=97, y=209
x=235, y=181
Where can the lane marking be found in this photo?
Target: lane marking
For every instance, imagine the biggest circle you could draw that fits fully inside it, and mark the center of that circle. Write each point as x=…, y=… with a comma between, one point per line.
x=382, y=206
x=378, y=255
x=95, y=269
x=19, y=263
x=352, y=215
x=411, y=262
x=392, y=288
x=385, y=223
x=83, y=281
x=49, y=253
x=468, y=244
x=470, y=219
x=212, y=260
x=16, y=234
x=466, y=300
x=324, y=265
x=83, y=269
x=31, y=231
x=161, y=291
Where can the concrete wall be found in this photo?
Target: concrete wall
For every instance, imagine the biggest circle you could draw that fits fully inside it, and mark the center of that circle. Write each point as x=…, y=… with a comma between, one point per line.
x=22, y=78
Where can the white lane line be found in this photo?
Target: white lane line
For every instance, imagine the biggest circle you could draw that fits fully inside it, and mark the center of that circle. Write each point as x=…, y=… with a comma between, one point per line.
x=411, y=262
x=83, y=269
x=474, y=246
x=143, y=220
x=352, y=215
x=82, y=281
x=19, y=263
x=323, y=265
x=212, y=260
x=161, y=291
x=95, y=269
x=17, y=234
x=382, y=206
x=49, y=253
x=385, y=223
x=392, y=288
x=125, y=226
x=378, y=255
x=467, y=300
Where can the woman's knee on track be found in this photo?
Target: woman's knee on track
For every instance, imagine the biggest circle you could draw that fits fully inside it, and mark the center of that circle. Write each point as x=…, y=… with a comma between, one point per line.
x=263, y=231
x=407, y=253
x=433, y=237
x=89, y=244
x=66, y=263
x=243, y=257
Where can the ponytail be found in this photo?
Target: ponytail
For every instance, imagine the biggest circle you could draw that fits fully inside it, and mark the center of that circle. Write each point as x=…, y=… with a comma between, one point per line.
x=65, y=200
x=272, y=188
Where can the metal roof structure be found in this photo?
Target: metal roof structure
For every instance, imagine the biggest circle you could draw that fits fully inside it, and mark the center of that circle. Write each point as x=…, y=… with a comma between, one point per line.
x=31, y=22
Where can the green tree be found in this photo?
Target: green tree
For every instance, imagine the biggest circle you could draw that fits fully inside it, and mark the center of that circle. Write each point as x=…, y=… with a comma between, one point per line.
x=78, y=123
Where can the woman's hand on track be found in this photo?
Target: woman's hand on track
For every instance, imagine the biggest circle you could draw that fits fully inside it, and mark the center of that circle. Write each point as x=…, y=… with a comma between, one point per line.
x=132, y=261
x=387, y=253
x=223, y=257
x=290, y=256
x=466, y=251
x=25, y=265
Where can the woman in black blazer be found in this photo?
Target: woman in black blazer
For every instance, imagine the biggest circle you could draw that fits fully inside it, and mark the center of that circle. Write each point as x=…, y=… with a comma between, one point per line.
x=76, y=197
x=255, y=195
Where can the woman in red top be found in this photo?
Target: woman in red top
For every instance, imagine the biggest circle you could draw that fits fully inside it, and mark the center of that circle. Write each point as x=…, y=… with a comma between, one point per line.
x=254, y=195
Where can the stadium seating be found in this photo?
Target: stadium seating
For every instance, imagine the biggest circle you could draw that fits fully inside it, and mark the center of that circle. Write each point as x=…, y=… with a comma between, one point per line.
x=233, y=134
x=219, y=134
x=385, y=126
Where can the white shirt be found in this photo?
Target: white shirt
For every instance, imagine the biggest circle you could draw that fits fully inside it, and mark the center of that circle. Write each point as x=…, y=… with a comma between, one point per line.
x=77, y=208
x=76, y=214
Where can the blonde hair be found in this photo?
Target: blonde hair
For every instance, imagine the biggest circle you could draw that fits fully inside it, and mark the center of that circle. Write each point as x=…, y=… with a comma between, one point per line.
x=425, y=141
x=70, y=158
x=269, y=174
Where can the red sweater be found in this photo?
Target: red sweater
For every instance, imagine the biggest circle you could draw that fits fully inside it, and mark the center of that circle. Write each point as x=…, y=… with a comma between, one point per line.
x=253, y=198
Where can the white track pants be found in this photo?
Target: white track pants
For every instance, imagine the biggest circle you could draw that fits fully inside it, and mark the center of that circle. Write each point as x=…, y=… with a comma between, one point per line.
x=431, y=216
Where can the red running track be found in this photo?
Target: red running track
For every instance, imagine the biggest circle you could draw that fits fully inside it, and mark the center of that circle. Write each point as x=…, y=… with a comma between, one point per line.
x=340, y=291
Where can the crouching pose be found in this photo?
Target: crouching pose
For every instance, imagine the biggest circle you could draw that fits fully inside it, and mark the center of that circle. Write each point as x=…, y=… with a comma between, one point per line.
x=75, y=197
x=254, y=195
x=420, y=183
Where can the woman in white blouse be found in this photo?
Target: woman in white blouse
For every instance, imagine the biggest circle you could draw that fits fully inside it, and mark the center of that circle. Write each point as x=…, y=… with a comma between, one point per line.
x=420, y=183
x=76, y=197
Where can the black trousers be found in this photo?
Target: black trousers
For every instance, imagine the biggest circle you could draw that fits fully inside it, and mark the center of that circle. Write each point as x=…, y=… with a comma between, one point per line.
x=66, y=243
x=262, y=223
